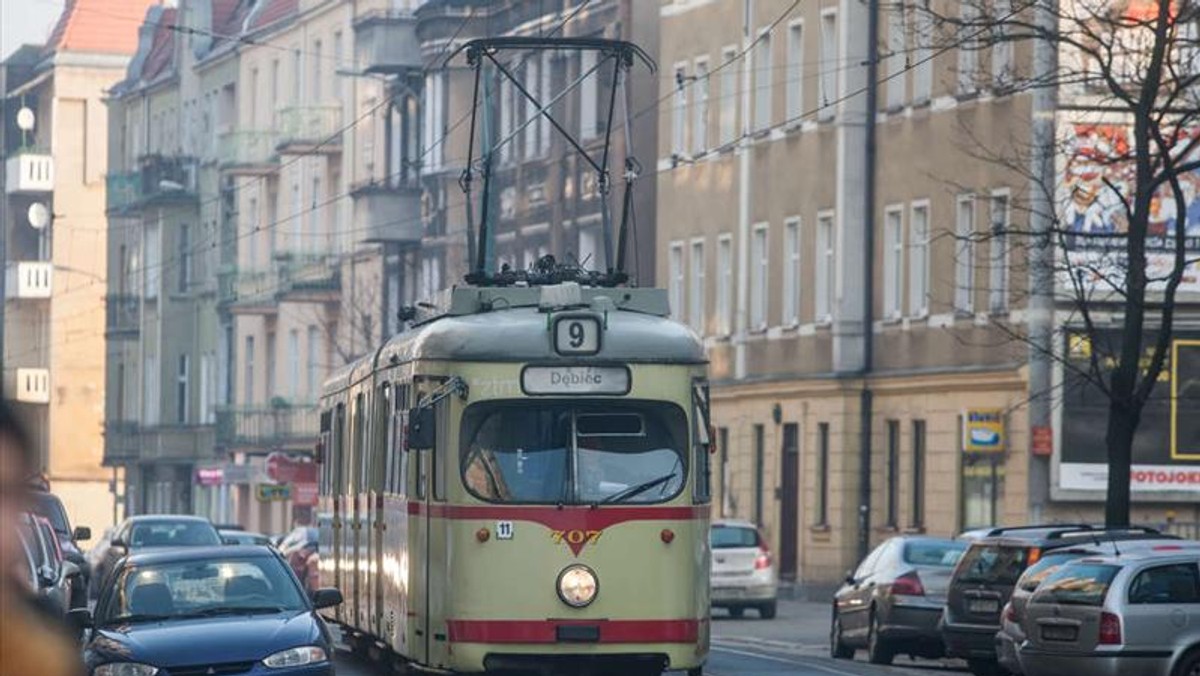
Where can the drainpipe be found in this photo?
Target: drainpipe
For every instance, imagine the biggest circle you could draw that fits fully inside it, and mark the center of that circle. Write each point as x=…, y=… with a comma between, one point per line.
x=1041, y=268
x=868, y=325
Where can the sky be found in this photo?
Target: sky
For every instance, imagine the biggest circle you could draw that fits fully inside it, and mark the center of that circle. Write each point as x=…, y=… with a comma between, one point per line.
x=26, y=21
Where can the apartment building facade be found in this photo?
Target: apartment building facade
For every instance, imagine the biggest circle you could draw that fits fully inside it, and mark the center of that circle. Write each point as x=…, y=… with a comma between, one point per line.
x=547, y=195
x=55, y=238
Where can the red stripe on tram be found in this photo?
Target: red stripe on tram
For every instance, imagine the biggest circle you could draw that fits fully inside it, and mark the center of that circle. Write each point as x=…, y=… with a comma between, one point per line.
x=546, y=631
x=582, y=517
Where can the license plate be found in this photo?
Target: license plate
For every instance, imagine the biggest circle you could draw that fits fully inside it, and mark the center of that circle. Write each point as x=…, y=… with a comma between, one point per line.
x=988, y=606
x=1055, y=633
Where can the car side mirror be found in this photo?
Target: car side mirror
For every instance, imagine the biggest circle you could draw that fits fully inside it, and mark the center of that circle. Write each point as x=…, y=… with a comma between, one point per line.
x=228, y=541
x=81, y=534
x=327, y=597
x=118, y=543
x=80, y=618
x=421, y=426
x=850, y=579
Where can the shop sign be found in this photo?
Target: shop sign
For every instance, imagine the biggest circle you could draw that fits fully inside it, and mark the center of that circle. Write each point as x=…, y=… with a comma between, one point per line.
x=273, y=492
x=1042, y=440
x=304, y=494
x=983, y=430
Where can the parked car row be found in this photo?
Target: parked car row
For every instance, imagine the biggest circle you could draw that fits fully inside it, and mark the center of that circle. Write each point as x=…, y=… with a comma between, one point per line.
x=1038, y=600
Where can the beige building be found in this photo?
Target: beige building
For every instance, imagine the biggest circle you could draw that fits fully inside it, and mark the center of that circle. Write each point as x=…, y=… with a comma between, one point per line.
x=761, y=161
x=55, y=237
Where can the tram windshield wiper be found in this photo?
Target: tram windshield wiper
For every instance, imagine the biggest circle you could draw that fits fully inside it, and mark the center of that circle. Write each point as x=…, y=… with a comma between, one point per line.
x=634, y=491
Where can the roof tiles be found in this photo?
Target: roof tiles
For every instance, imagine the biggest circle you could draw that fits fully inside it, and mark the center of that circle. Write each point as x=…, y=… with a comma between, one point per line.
x=108, y=26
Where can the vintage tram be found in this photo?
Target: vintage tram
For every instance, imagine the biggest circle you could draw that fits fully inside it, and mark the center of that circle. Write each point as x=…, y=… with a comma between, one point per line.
x=520, y=482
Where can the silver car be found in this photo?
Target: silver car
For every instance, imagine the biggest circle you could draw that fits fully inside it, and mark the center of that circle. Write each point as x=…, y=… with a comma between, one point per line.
x=743, y=571
x=1133, y=614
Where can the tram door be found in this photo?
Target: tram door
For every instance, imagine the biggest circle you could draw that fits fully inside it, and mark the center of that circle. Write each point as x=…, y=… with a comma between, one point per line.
x=419, y=527
x=338, y=491
x=789, y=504
x=356, y=559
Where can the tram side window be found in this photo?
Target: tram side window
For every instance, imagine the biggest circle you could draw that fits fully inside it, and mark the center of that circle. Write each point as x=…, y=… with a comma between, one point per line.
x=701, y=432
x=398, y=446
x=381, y=469
x=356, y=454
x=326, y=467
x=441, y=450
x=337, y=468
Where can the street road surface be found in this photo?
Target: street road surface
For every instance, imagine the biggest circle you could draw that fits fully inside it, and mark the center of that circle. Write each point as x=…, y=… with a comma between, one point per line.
x=794, y=643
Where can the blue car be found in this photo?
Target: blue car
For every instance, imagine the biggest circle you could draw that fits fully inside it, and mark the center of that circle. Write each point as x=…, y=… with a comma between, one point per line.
x=207, y=610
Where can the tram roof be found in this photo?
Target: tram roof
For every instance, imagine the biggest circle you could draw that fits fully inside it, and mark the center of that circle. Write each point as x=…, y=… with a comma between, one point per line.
x=485, y=324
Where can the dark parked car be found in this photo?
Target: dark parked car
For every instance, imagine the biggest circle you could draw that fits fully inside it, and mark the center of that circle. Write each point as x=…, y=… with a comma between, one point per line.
x=986, y=574
x=892, y=602
x=138, y=533
x=241, y=537
x=48, y=574
x=48, y=505
x=207, y=610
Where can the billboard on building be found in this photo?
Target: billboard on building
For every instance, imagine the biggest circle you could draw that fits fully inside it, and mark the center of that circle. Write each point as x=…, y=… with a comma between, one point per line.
x=1166, y=448
x=1099, y=173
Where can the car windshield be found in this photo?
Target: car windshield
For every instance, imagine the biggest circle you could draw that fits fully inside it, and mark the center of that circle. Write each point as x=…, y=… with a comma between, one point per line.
x=992, y=564
x=1076, y=584
x=939, y=553
x=173, y=534
x=1035, y=574
x=574, y=453
x=202, y=588
x=733, y=537
x=49, y=506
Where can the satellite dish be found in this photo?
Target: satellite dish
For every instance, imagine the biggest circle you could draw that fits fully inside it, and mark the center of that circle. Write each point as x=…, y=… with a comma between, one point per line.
x=39, y=215
x=25, y=119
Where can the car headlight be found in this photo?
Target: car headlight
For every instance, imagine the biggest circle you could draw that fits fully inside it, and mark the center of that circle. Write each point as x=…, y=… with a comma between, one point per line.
x=124, y=669
x=577, y=585
x=296, y=657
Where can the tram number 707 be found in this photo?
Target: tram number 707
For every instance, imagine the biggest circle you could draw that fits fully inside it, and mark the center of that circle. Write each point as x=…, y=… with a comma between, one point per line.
x=575, y=537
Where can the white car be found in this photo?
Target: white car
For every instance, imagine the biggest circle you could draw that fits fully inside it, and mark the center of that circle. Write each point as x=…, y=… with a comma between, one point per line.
x=743, y=571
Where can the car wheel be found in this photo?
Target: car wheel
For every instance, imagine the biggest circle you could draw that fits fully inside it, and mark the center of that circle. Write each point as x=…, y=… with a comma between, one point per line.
x=1189, y=665
x=697, y=671
x=767, y=610
x=986, y=668
x=878, y=650
x=736, y=613
x=838, y=650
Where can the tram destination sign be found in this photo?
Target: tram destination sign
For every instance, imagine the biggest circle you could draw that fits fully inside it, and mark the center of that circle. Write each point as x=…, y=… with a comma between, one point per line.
x=575, y=380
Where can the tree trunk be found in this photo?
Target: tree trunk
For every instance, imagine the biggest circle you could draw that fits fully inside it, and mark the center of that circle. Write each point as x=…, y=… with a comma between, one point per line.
x=1122, y=423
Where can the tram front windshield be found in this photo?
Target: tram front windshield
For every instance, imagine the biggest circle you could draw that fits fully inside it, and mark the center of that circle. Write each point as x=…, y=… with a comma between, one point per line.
x=537, y=452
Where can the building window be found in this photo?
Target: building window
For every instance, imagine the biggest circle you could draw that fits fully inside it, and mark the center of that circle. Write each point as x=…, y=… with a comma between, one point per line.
x=588, y=95
x=795, y=71
x=822, y=510
x=152, y=269
x=998, y=254
x=918, y=260
x=828, y=79
x=893, y=263
x=696, y=299
x=316, y=357
x=759, y=472
x=545, y=93
x=897, y=55
x=964, y=258
x=318, y=61
x=297, y=74
x=675, y=280
x=181, y=390
x=917, y=519
x=269, y=362
x=339, y=62
x=922, y=58
x=507, y=118
x=725, y=284
x=293, y=365
x=434, y=127
x=791, y=272
x=728, y=96
x=826, y=267
x=248, y=374
x=533, y=83
x=679, y=113
x=150, y=402
x=893, y=473
x=185, y=258
x=700, y=94
x=723, y=450
x=1002, y=54
x=758, y=277
x=206, y=387
x=762, y=81
x=968, y=48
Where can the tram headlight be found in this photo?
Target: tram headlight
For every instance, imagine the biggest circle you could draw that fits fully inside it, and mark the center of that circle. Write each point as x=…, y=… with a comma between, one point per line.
x=577, y=586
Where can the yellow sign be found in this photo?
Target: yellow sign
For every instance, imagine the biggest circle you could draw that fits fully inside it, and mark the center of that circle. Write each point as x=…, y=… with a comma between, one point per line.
x=273, y=492
x=983, y=430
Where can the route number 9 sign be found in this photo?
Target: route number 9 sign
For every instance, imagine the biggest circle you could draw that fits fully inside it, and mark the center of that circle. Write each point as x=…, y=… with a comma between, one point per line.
x=577, y=335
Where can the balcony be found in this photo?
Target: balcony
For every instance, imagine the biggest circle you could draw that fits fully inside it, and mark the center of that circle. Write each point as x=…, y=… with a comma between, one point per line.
x=248, y=152
x=122, y=442
x=30, y=171
x=386, y=42
x=248, y=292
x=122, y=315
x=159, y=179
x=310, y=129
x=29, y=279
x=30, y=385
x=388, y=212
x=308, y=276
x=282, y=426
